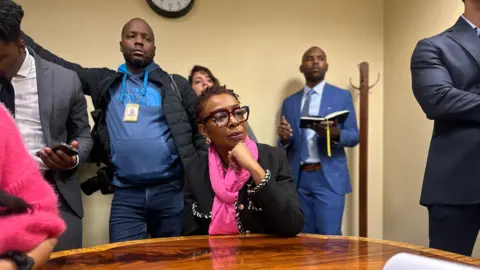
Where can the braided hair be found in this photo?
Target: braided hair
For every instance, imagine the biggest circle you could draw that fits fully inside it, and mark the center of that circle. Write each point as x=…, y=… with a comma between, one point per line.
x=12, y=205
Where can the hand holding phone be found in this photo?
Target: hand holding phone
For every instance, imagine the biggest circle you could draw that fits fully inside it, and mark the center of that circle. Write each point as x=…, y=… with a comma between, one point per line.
x=65, y=148
x=60, y=157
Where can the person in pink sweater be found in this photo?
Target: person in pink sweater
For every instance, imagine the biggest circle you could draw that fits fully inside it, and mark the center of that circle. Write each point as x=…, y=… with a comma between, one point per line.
x=29, y=217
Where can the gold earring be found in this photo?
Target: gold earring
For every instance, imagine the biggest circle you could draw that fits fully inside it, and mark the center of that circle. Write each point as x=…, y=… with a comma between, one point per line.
x=207, y=140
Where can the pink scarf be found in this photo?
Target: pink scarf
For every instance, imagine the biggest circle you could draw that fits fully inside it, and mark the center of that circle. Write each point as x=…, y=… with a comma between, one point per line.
x=226, y=187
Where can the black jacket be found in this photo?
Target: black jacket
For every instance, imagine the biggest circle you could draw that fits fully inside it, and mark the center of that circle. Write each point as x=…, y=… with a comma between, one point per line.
x=178, y=101
x=275, y=210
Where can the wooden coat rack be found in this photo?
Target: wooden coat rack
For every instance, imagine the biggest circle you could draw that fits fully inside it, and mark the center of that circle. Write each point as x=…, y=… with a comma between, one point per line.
x=364, y=90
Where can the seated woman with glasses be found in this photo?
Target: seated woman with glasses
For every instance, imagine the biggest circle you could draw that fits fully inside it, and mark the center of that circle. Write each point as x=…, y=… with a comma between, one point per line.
x=239, y=186
x=29, y=218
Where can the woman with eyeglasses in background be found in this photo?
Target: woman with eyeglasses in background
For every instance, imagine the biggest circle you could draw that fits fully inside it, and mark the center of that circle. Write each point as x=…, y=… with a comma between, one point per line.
x=200, y=78
x=239, y=186
x=29, y=218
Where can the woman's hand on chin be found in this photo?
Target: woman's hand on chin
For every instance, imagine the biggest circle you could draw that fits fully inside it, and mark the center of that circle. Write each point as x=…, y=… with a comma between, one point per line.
x=240, y=157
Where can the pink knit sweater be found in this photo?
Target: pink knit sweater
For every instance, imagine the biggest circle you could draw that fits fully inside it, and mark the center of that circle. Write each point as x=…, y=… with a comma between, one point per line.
x=20, y=177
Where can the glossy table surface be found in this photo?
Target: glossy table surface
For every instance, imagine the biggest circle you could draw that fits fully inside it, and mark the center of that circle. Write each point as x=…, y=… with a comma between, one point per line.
x=244, y=252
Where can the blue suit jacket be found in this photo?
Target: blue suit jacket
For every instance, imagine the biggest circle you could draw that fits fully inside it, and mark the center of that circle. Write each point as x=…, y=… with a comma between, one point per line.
x=446, y=83
x=335, y=167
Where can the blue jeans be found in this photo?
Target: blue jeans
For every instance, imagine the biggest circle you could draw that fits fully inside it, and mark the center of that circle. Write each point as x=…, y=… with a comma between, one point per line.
x=137, y=211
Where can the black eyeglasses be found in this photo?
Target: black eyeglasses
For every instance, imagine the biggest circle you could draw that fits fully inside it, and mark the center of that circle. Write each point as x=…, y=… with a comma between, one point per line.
x=222, y=117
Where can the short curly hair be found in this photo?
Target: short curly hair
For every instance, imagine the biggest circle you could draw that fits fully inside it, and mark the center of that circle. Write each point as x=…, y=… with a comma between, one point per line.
x=210, y=92
x=11, y=15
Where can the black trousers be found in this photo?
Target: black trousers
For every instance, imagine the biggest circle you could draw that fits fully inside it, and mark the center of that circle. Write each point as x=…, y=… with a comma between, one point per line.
x=72, y=237
x=454, y=228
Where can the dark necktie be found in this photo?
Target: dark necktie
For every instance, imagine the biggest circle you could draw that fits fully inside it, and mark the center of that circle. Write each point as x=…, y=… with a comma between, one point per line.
x=7, y=95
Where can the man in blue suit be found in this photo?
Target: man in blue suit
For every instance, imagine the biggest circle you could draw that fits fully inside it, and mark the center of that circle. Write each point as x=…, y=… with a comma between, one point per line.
x=446, y=83
x=321, y=181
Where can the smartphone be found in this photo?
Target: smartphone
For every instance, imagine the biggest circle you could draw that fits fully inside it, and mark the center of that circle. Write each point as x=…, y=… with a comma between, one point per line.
x=66, y=148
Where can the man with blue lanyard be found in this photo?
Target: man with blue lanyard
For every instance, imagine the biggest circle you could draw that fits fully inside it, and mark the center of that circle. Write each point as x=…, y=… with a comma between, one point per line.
x=145, y=130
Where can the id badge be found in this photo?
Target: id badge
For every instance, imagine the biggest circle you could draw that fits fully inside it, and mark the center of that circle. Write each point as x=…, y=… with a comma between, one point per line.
x=131, y=113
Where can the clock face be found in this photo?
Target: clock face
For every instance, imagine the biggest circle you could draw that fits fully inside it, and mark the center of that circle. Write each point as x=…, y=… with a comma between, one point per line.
x=171, y=8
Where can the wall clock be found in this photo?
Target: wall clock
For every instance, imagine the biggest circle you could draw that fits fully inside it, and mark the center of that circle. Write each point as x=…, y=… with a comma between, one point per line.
x=171, y=8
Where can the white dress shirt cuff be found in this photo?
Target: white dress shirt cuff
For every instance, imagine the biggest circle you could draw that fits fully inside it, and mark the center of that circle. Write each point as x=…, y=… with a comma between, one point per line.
x=76, y=164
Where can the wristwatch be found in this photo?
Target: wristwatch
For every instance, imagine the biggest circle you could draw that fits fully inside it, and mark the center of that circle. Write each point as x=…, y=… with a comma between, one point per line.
x=22, y=261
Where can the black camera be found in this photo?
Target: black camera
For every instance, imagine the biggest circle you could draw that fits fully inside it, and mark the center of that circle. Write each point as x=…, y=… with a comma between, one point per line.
x=102, y=182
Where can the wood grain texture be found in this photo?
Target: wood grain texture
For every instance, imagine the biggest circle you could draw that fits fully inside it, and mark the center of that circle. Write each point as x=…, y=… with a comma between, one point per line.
x=244, y=252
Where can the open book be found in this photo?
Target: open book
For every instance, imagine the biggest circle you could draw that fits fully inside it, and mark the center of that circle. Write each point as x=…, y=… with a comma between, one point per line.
x=308, y=121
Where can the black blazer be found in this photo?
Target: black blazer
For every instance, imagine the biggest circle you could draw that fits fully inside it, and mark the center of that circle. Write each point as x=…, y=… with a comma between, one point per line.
x=273, y=209
x=446, y=83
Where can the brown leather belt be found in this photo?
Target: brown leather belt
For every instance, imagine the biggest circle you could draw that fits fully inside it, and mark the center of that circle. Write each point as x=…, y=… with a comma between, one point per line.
x=311, y=167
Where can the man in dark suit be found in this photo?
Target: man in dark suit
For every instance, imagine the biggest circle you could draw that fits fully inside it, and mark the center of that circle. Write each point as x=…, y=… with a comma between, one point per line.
x=446, y=83
x=49, y=108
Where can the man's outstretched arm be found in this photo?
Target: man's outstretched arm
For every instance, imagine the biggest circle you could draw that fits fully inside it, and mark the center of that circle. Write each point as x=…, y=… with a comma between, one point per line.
x=90, y=77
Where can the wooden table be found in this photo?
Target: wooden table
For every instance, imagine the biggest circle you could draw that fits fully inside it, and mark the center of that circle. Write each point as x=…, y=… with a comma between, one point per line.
x=243, y=252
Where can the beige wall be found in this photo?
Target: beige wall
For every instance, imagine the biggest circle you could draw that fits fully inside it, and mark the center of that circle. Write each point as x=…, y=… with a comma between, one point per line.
x=253, y=46
x=407, y=131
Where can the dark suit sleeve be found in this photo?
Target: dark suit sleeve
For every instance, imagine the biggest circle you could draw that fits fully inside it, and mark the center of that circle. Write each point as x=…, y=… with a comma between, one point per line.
x=434, y=89
x=90, y=77
x=78, y=128
x=189, y=101
x=278, y=198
